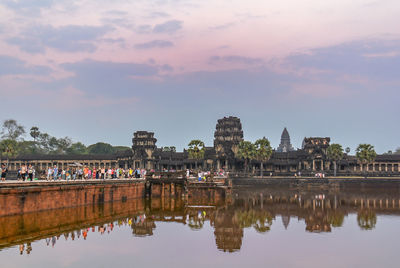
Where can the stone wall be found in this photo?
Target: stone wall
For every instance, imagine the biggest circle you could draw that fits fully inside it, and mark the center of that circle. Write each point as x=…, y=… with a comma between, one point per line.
x=33, y=197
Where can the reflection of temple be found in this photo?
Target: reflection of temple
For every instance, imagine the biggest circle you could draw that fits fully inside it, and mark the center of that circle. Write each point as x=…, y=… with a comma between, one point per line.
x=228, y=233
x=320, y=207
x=285, y=220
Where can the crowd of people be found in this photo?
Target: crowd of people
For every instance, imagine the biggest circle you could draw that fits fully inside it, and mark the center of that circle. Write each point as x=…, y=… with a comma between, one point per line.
x=87, y=173
x=29, y=173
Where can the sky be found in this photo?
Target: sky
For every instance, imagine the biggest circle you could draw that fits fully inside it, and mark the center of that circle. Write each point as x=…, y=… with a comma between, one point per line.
x=101, y=70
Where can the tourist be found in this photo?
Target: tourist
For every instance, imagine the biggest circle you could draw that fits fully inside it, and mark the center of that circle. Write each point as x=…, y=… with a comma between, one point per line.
x=4, y=171
x=55, y=172
x=49, y=173
x=23, y=172
x=30, y=173
x=103, y=172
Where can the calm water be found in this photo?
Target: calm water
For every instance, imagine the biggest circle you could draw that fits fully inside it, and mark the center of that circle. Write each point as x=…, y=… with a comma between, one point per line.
x=276, y=225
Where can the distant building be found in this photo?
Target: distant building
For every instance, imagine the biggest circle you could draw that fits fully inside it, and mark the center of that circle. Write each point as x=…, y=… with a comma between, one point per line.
x=285, y=161
x=285, y=145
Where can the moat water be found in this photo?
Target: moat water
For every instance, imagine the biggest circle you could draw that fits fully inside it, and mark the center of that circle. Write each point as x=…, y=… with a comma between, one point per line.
x=288, y=224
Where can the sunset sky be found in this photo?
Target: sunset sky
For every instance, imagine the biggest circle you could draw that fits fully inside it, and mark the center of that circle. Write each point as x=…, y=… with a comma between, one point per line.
x=100, y=70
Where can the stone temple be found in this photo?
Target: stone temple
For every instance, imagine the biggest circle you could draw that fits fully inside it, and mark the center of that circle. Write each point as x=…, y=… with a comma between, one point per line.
x=285, y=145
x=310, y=159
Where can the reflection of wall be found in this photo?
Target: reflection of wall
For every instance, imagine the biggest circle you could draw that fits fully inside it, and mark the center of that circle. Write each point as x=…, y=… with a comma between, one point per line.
x=36, y=225
x=36, y=198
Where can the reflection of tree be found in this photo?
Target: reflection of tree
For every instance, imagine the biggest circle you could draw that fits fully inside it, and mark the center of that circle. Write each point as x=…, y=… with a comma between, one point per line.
x=336, y=218
x=366, y=219
x=260, y=220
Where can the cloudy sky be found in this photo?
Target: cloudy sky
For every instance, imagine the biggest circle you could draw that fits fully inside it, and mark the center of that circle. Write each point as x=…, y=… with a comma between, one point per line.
x=100, y=70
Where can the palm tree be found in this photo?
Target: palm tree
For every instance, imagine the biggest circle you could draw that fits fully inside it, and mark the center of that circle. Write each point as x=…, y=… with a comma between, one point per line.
x=196, y=150
x=348, y=150
x=263, y=151
x=246, y=151
x=335, y=153
x=365, y=153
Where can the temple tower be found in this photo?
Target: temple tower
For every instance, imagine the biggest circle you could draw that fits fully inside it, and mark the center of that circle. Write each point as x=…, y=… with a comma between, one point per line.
x=143, y=146
x=227, y=136
x=285, y=145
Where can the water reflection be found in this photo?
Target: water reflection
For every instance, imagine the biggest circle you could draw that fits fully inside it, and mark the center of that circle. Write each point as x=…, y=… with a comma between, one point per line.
x=322, y=208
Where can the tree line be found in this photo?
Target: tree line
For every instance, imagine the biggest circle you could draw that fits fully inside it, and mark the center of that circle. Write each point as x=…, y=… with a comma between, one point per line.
x=261, y=150
x=12, y=143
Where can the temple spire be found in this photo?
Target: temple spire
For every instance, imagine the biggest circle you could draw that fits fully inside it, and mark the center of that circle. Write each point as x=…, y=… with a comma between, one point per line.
x=285, y=145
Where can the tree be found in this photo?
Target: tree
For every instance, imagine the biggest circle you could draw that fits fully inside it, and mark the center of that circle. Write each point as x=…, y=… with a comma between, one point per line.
x=8, y=148
x=365, y=153
x=196, y=150
x=100, y=148
x=77, y=148
x=263, y=152
x=121, y=148
x=34, y=133
x=347, y=150
x=169, y=149
x=397, y=151
x=63, y=144
x=26, y=147
x=335, y=153
x=44, y=142
x=11, y=130
x=246, y=151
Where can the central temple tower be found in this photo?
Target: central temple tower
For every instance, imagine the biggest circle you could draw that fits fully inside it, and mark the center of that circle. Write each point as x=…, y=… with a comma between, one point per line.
x=285, y=145
x=227, y=136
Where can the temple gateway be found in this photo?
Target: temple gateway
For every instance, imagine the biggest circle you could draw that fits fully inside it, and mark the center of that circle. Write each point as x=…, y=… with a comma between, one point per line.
x=310, y=159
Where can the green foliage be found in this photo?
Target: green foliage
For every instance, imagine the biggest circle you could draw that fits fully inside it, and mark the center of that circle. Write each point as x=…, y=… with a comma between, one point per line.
x=77, y=148
x=11, y=130
x=335, y=152
x=348, y=150
x=246, y=150
x=121, y=148
x=26, y=147
x=8, y=148
x=263, y=149
x=397, y=151
x=34, y=132
x=169, y=149
x=196, y=149
x=100, y=148
x=365, y=153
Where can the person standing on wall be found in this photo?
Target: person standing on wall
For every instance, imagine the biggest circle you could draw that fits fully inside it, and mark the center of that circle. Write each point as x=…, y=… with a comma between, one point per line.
x=4, y=171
